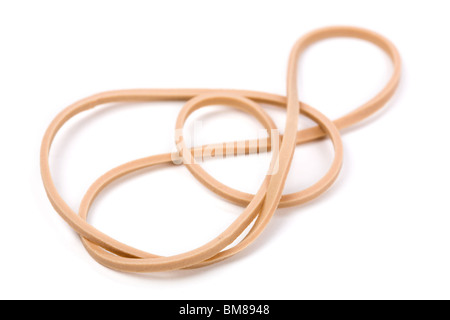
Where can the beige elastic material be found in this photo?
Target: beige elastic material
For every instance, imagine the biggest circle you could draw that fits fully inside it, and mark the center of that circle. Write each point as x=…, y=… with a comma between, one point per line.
x=259, y=207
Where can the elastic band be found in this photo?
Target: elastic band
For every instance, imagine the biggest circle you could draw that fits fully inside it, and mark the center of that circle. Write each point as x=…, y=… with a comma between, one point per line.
x=260, y=206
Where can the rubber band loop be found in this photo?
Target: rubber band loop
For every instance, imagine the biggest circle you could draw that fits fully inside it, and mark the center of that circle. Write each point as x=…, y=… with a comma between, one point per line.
x=259, y=207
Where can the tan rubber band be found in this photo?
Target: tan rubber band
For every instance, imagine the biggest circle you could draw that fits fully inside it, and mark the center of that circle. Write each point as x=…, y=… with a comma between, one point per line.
x=260, y=206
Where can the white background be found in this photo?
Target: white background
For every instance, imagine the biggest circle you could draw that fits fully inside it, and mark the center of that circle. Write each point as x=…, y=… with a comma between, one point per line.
x=381, y=231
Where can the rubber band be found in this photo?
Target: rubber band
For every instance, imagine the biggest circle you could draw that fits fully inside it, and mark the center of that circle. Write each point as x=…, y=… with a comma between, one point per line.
x=259, y=208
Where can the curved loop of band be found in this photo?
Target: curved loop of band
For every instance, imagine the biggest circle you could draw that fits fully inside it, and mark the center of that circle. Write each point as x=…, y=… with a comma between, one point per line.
x=260, y=206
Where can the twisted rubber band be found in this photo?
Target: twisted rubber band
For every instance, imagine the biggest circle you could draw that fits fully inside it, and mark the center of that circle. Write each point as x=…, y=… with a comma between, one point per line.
x=259, y=207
